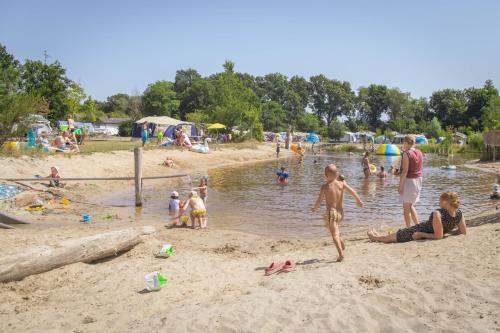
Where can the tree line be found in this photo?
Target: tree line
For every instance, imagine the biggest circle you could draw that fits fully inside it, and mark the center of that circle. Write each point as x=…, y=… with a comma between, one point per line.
x=273, y=102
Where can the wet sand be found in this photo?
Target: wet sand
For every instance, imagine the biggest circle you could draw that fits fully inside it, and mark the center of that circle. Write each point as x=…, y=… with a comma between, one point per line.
x=490, y=167
x=216, y=277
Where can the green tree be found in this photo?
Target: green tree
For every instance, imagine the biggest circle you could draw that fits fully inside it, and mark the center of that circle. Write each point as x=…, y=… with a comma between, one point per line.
x=160, y=99
x=477, y=99
x=308, y=122
x=235, y=104
x=90, y=111
x=9, y=73
x=135, y=107
x=491, y=114
x=15, y=108
x=75, y=96
x=194, y=92
x=273, y=117
x=434, y=129
x=125, y=128
x=336, y=130
x=373, y=101
x=50, y=82
x=398, y=103
x=318, y=92
x=449, y=106
x=300, y=86
x=116, y=103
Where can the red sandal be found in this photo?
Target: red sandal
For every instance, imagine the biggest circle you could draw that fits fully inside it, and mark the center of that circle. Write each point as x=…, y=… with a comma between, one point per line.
x=288, y=266
x=274, y=268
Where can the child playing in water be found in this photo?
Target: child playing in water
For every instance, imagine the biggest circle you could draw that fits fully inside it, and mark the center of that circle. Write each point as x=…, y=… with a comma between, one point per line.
x=496, y=189
x=382, y=173
x=174, y=204
x=282, y=176
x=278, y=147
x=198, y=210
x=333, y=194
x=203, y=188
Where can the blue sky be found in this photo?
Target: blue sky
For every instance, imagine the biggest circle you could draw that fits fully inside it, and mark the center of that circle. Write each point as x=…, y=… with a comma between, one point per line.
x=122, y=46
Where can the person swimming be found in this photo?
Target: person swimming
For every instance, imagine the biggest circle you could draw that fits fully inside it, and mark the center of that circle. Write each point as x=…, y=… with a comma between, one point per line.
x=283, y=176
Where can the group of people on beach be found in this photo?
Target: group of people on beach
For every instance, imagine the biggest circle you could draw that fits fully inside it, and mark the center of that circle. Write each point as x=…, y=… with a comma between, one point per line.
x=64, y=142
x=446, y=219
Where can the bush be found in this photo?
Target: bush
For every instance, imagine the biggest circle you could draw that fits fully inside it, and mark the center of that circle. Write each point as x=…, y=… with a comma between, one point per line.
x=336, y=130
x=476, y=142
x=125, y=128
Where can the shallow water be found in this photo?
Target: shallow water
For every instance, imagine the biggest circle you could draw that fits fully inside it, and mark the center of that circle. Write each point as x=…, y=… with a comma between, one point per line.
x=248, y=198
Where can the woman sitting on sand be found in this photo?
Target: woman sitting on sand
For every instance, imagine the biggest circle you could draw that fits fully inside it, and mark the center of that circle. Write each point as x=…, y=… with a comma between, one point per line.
x=442, y=221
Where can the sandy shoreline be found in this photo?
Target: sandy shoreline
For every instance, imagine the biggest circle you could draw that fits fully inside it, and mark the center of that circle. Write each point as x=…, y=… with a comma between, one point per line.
x=490, y=167
x=216, y=281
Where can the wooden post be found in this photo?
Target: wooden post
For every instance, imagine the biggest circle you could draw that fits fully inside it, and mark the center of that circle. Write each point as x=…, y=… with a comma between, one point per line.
x=138, y=176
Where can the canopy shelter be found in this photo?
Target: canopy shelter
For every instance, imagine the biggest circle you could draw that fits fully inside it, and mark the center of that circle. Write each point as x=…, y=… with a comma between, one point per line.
x=167, y=124
x=216, y=126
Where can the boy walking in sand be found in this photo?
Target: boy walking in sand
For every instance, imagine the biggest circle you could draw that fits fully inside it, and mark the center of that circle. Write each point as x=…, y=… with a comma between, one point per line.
x=333, y=194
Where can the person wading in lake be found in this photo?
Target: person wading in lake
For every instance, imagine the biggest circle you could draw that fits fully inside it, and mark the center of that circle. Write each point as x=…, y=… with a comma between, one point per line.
x=410, y=179
x=365, y=164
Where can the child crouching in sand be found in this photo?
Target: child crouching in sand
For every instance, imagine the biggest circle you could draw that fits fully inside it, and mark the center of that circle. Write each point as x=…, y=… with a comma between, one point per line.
x=198, y=210
x=333, y=194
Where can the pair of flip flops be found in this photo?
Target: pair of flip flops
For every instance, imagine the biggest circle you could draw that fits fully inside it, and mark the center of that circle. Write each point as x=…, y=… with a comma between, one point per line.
x=286, y=266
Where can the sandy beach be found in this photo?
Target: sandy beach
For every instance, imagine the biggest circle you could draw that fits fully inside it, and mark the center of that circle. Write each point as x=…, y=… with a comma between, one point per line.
x=490, y=167
x=216, y=279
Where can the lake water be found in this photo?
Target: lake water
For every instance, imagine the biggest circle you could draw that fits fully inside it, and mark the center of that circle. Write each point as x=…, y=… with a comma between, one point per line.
x=248, y=198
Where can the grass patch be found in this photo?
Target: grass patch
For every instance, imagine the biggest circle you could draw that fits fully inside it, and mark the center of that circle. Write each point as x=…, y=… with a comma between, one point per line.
x=102, y=146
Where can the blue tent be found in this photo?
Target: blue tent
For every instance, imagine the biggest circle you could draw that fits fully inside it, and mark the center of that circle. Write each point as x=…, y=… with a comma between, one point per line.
x=312, y=137
x=421, y=140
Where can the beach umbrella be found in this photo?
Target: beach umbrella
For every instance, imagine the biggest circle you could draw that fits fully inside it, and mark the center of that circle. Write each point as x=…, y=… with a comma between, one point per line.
x=312, y=137
x=387, y=149
x=216, y=126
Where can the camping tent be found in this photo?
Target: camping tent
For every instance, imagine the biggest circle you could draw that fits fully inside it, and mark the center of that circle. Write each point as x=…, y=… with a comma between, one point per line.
x=39, y=124
x=382, y=139
x=421, y=140
x=348, y=137
x=312, y=137
x=166, y=123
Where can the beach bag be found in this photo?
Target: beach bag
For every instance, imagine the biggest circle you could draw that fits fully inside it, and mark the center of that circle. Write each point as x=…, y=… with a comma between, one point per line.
x=154, y=281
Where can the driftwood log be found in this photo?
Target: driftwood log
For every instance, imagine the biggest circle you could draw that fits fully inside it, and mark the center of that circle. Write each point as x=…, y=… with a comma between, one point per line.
x=6, y=226
x=87, y=249
x=9, y=219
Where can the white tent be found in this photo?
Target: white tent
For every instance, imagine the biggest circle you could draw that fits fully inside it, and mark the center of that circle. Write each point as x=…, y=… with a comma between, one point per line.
x=160, y=121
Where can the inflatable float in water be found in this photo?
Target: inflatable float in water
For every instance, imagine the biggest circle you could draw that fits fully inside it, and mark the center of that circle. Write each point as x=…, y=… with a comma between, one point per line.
x=201, y=148
x=296, y=149
x=388, y=150
x=373, y=168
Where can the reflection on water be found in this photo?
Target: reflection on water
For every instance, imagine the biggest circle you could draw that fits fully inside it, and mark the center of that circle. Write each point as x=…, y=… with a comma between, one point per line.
x=247, y=198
